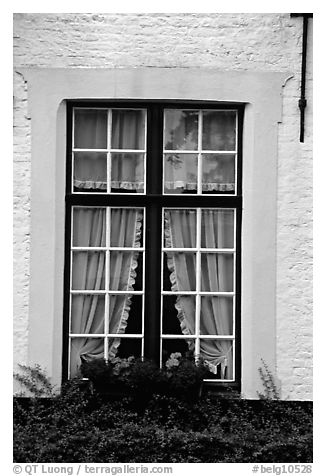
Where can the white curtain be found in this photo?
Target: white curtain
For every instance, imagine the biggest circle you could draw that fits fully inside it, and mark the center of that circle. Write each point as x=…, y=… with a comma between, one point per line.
x=89, y=274
x=218, y=174
x=127, y=168
x=216, y=275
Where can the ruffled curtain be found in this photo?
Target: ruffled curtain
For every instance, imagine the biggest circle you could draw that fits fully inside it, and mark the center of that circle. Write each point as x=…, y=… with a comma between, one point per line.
x=218, y=173
x=88, y=311
x=216, y=275
x=127, y=168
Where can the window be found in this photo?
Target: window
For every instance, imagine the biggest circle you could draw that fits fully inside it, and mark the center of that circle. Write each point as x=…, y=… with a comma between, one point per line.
x=153, y=223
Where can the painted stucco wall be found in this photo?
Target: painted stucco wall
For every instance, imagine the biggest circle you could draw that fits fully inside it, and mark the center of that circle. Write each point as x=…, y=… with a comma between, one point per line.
x=240, y=42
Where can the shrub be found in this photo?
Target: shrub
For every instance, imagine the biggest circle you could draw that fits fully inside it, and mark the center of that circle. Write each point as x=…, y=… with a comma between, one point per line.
x=79, y=426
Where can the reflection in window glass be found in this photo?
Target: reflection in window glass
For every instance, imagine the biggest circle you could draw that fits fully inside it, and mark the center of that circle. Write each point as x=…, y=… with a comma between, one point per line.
x=180, y=173
x=219, y=130
x=218, y=173
x=181, y=130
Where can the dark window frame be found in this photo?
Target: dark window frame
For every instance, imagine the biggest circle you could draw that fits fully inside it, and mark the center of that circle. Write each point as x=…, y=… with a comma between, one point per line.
x=154, y=201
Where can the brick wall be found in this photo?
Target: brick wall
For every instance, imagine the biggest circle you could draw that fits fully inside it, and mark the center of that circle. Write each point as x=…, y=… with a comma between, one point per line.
x=256, y=42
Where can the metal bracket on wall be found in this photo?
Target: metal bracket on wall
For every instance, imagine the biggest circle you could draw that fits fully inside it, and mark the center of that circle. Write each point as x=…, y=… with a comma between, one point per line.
x=302, y=103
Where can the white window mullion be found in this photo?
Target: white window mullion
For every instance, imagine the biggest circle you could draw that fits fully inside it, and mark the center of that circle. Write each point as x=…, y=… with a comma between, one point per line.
x=200, y=164
x=107, y=237
x=198, y=298
x=108, y=158
x=72, y=154
x=107, y=277
x=235, y=264
x=144, y=267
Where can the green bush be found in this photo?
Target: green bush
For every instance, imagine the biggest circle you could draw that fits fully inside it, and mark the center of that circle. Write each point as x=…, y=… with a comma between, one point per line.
x=81, y=426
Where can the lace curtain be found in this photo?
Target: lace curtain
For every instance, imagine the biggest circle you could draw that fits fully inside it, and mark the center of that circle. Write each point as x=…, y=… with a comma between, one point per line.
x=127, y=167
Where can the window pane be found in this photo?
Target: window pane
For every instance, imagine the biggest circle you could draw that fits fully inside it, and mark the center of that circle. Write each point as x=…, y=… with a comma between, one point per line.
x=90, y=172
x=124, y=269
x=218, y=173
x=90, y=129
x=216, y=315
x=219, y=130
x=128, y=347
x=128, y=129
x=84, y=349
x=180, y=173
x=186, y=347
x=89, y=226
x=179, y=314
x=180, y=228
x=219, y=356
x=180, y=130
x=126, y=228
x=217, y=228
x=127, y=173
x=125, y=314
x=179, y=272
x=88, y=270
x=216, y=272
x=87, y=314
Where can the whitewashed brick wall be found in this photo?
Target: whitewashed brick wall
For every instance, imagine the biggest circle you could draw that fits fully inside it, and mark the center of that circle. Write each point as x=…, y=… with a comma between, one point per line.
x=255, y=42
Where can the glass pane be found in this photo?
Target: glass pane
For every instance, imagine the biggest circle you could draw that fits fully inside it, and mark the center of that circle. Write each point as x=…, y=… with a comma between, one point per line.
x=87, y=314
x=186, y=348
x=89, y=226
x=179, y=314
x=180, y=228
x=127, y=173
x=179, y=272
x=88, y=270
x=84, y=348
x=126, y=228
x=218, y=355
x=180, y=173
x=125, y=314
x=217, y=272
x=180, y=130
x=128, y=129
x=90, y=172
x=90, y=129
x=128, y=347
x=218, y=173
x=216, y=315
x=219, y=130
x=124, y=268
x=217, y=228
